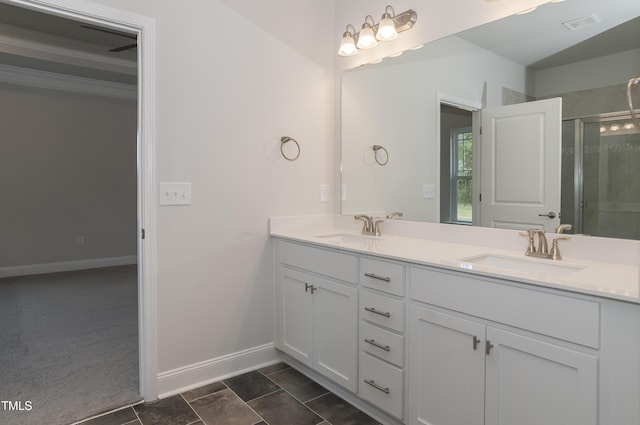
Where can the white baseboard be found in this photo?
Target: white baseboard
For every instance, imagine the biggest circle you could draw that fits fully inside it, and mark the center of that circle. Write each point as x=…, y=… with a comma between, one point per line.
x=65, y=266
x=196, y=375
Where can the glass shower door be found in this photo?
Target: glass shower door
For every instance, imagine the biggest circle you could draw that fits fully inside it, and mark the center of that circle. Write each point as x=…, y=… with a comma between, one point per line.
x=610, y=169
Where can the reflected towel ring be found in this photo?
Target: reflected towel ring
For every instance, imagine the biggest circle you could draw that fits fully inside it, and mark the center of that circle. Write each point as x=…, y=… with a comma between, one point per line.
x=377, y=148
x=634, y=117
x=283, y=141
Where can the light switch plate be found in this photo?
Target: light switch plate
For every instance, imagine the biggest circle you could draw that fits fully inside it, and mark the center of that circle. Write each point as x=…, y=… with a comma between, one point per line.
x=172, y=193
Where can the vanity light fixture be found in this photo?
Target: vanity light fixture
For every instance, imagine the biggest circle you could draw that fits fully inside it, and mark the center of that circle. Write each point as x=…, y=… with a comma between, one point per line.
x=368, y=37
x=348, y=44
x=386, y=27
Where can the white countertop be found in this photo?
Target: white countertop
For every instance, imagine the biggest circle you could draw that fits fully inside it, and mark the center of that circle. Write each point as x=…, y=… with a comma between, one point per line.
x=585, y=276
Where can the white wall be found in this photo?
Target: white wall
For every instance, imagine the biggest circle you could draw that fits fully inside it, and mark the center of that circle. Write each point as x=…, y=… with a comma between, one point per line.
x=227, y=90
x=67, y=168
x=590, y=74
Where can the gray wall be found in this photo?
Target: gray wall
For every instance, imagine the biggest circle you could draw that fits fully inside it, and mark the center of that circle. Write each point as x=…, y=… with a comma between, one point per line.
x=67, y=168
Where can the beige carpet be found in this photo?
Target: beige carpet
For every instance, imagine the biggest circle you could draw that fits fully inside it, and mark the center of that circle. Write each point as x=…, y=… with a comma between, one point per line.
x=68, y=345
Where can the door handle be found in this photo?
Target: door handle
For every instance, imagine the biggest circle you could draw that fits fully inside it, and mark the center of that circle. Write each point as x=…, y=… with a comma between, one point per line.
x=550, y=214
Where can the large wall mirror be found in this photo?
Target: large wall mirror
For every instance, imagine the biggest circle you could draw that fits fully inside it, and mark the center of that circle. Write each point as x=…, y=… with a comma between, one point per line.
x=411, y=137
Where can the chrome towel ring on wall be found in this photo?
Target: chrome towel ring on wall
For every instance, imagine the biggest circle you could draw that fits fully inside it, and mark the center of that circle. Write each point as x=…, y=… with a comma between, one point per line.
x=378, y=148
x=634, y=118
x=283, y=141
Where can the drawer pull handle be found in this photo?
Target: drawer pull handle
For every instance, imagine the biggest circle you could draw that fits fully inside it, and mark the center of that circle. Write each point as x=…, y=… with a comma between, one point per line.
x=375, y=276
x=377, y=344
x=376, y=386
x=381, y=313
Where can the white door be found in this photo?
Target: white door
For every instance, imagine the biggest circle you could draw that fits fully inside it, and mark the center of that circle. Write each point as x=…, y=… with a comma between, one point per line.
x=447, y=364
x=520, y=165
x=531, y=382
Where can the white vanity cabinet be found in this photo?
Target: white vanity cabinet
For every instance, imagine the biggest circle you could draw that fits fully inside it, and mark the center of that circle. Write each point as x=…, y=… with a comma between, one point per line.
x=382, y=335
x=317, y=310
x=476, y=356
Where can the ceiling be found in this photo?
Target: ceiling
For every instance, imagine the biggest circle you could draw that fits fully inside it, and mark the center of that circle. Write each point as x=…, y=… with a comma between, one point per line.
x=44, y=42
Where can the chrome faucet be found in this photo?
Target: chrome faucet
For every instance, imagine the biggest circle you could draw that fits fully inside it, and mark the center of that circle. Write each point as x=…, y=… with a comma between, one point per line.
x=563, y=228
x=542, y=250
x=394, y=214
x=370, y=226
x=367, y=228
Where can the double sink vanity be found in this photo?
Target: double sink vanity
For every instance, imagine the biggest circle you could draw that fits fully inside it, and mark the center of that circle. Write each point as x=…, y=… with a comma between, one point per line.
x=435, y=324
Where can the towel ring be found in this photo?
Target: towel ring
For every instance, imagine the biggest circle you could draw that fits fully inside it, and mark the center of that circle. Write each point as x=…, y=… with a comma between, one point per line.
x=634, y=117
x=376, y=149
x=284, y=140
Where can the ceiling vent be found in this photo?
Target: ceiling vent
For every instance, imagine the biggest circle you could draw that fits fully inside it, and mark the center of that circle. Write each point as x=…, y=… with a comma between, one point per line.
x=579, y=23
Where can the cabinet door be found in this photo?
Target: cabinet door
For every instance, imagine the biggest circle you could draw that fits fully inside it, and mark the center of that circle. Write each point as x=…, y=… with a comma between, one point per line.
x=446, y=364
x=531, y=382
x=295, y=315
x=336, y=331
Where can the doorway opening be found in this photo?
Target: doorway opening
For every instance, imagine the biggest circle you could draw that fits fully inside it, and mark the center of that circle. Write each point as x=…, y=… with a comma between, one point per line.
x=143, y=235
x=456, y=165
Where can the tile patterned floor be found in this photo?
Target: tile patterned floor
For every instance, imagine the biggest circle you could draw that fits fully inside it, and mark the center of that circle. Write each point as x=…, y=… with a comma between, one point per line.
x=275, y=395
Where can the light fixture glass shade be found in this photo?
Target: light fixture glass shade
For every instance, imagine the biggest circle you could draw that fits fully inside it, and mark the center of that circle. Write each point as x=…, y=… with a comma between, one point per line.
x=387, y=29
x=347, y=46
x=366, y=38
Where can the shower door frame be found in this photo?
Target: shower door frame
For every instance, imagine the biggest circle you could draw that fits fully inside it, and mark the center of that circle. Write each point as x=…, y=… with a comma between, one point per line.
x=578, y=161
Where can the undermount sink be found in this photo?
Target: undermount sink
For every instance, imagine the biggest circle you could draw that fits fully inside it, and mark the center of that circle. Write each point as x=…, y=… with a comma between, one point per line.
x=348, y=239
x=522, y=265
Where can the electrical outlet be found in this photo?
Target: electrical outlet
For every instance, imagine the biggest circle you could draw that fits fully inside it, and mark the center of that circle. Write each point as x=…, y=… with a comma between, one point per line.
x=175, y=193
x=80, y=240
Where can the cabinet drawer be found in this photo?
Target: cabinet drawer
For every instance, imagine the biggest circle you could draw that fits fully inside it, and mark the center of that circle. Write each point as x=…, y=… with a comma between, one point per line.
x=382, y=343
x=382, y=385
x=558, y=316
x=334, y=264
x=382, y=310
x=383, y=276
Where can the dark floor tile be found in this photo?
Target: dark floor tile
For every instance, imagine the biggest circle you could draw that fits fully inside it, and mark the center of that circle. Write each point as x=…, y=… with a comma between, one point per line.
x=274, y=368
x=251, y=385
x=298, y=385
x=224, y=408
x=119, y=417
x=204, y=390
x=169, y=411
x=338, y=412
x=136, y=422
x=280, y=408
